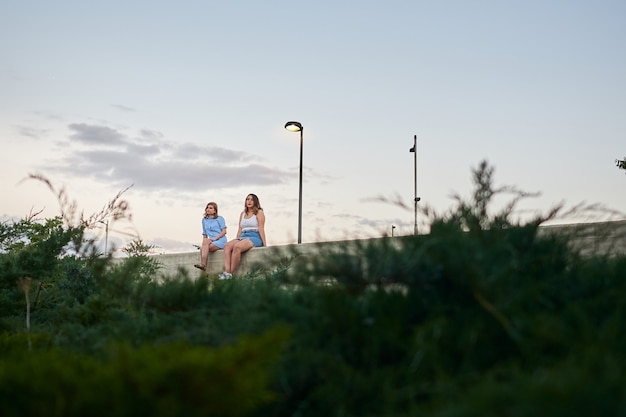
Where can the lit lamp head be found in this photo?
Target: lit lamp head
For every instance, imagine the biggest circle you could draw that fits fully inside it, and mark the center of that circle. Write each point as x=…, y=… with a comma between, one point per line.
x=293, y=126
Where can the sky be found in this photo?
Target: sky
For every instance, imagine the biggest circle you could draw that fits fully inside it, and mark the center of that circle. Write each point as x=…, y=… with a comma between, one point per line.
x=185, y=102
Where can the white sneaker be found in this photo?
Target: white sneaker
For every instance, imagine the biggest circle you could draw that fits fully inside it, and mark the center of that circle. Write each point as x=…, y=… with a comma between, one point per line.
x=225, y=275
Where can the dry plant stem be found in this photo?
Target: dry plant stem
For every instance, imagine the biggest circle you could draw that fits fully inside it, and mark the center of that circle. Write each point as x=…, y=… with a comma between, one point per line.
x=24, y=285
x=27, y=313
x=496, y=314
x=115, y=208
x=39, y=288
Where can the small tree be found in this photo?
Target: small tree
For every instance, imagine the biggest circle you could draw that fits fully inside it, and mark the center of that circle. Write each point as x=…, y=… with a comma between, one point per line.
x=139, y=255
x=621, y=164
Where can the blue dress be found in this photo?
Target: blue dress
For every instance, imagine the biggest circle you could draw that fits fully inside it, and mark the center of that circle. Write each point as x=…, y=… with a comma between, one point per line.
x=212, y=228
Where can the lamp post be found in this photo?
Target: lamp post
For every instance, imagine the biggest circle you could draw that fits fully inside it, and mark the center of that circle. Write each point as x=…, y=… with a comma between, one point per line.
x=415, y=197
x=297, y=127
x=106, y=236
x=392, y=229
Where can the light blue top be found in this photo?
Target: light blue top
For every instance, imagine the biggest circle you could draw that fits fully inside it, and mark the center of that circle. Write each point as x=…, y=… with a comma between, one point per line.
x=212, y=228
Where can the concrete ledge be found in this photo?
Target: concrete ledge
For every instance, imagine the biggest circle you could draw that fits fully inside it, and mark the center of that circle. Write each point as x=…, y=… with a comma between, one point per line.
x=171, y=263
x=590, y=238
x=607, y=238
x=255, y=258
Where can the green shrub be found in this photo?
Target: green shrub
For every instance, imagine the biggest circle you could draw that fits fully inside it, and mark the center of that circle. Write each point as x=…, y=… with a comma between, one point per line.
x=483, y=316
x=164, y=380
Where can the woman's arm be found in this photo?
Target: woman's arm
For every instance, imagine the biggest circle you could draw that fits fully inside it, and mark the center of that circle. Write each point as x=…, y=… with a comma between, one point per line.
x=260, y=216
x=205, y=232
x=239, y=226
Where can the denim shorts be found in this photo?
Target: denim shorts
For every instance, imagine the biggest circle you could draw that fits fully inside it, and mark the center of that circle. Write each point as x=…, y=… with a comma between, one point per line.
x=253, y=236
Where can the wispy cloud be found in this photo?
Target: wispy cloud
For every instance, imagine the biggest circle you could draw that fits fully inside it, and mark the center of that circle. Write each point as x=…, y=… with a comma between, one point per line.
x=152, y=163
x=171, y=245
x=31, y=132
x=100, y=135
x=123, y=108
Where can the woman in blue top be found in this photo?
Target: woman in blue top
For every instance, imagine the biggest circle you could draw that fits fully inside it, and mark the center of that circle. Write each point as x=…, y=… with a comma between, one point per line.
x=213, y=234
x=251, y=233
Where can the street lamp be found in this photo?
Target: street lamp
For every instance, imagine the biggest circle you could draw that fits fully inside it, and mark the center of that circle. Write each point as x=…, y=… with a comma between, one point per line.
x=393, y=226
x=415, y=197
x=297, y=127
x=106, y=235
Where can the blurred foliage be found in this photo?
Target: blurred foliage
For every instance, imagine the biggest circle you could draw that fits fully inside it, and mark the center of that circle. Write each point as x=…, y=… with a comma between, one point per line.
x=35, y=249
x=139, y=254
x=163, y=380
x=483, y=316
x=621, y=164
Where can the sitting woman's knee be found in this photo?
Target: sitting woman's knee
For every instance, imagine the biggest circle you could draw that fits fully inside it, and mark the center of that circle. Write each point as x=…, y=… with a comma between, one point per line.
x=241, y=247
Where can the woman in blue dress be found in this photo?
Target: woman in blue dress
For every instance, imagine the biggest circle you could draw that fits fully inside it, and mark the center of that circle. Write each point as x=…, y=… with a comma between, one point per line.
x=213, y=234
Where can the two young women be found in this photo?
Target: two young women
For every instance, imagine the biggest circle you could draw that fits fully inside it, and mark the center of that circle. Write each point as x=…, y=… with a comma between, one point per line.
x=250, y=234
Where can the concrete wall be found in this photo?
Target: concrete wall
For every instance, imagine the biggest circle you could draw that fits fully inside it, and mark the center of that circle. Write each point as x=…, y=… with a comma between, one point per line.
x=593, y=238
x=255, y=258
x=249, y=260
x=589, y=238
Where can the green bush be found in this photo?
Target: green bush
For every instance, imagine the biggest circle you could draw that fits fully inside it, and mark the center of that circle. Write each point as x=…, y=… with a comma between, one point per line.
x=162, y=380
x=483, y=316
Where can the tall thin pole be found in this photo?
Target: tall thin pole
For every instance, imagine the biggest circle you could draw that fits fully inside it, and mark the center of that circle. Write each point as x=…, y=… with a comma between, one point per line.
x=415, y=197
x=106, y=236
x=300, y=196
x=415, y=181
x=106, y=239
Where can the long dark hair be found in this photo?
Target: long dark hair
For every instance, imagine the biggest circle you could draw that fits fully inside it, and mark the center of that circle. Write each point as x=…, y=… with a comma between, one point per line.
x=257, y=205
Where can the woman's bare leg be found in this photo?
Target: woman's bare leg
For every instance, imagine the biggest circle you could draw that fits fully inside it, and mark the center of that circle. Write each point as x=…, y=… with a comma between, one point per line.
x=204, y=251
x=240, y=246
x=228, y=250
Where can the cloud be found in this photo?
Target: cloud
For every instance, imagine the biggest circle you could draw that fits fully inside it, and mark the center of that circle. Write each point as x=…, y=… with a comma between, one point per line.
x=150, y=134
x=142, y=149
x=123, y=108
x=101, y=135
x=32, y=132
x=164, y=245
x=209, y=153
x=151, y=163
